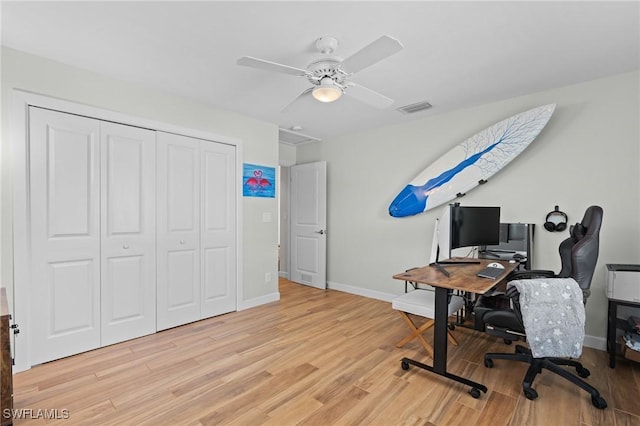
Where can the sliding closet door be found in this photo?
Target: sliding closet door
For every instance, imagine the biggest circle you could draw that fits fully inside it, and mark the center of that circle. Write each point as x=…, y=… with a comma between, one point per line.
x=218, y=237
x=196, y=235
x=64, y=164
x=128, y=268
x=178, y=225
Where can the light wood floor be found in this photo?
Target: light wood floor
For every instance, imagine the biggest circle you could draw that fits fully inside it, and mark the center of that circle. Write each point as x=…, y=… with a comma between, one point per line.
x=314, y=358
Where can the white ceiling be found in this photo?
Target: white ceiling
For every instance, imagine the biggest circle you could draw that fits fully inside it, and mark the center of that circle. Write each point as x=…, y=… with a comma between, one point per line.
x=456, y=54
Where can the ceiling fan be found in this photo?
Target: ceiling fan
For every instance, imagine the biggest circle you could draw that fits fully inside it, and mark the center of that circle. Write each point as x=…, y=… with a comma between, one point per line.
x=330, y=75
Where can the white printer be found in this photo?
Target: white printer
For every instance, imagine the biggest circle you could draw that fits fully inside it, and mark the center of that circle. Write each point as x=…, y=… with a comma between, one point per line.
x=623, y=282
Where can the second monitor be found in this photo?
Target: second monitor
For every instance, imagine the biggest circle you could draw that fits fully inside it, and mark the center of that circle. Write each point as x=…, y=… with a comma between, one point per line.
x=516, y=242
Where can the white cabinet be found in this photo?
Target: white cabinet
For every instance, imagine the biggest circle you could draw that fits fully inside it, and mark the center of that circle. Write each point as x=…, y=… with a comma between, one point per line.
x=132, y=231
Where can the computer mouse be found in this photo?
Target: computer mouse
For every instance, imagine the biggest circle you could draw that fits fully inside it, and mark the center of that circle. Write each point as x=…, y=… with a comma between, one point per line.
x=495, y=265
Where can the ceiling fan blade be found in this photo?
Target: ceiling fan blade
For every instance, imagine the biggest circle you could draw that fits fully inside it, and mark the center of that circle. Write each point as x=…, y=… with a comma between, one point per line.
x=249, y=61
x=303, y=95
x=368, y=96
x=378, y=50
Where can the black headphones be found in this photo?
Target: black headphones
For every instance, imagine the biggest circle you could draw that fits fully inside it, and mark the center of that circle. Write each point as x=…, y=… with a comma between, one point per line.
x=556, y=221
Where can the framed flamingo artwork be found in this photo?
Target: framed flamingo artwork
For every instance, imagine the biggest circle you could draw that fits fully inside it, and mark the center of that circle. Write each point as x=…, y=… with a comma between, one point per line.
x=258, y=181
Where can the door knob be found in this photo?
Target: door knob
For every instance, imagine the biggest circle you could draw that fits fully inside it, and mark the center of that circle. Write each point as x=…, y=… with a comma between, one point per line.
x=125, y=246
x=321, y=232
x=182, y=241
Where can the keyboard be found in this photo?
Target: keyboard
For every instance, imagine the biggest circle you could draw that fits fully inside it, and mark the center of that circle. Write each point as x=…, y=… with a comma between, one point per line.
x=490, y=272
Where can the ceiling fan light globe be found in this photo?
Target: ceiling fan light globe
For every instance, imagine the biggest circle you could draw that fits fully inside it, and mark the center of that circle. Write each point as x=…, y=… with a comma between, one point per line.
x=327, y=91
x=327, y=94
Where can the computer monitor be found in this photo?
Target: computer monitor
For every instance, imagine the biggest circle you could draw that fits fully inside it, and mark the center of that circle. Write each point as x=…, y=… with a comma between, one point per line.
x=474, y=226
x=516, y=242
x=462, y=226
x=513, y=237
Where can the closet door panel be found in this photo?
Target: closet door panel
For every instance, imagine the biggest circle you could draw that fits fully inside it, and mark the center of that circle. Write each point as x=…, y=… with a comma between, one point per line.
x=182, y=186
x=128, y=271
x=64, y=188
x=218, y=229
x=181, y=276
x=178, y=230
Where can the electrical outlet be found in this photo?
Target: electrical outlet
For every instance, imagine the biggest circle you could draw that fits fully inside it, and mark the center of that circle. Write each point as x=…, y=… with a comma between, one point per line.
x=267, y=277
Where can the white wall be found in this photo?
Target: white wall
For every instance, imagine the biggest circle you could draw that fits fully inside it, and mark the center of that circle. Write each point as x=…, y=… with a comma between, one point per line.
x=588, y=154
x=259, y=141
x=287, y=155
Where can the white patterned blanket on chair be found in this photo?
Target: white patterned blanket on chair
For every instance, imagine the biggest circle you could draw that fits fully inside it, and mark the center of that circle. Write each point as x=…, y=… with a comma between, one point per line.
x=553, y=316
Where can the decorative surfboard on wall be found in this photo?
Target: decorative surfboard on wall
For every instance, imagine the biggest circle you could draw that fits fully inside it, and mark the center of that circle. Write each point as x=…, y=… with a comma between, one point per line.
x=470, y=163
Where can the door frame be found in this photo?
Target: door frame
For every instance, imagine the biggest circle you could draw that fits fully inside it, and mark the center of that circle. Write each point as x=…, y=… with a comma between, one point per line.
x=19, y=139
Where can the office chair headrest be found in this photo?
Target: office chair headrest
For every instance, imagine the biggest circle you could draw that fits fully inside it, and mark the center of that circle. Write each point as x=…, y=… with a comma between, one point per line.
x=590, y=224
x=592, y=220
x=583, y=252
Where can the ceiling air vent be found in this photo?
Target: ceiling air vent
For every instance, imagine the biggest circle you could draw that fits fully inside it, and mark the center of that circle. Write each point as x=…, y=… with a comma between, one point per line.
x=290, y=137
x=418, y=106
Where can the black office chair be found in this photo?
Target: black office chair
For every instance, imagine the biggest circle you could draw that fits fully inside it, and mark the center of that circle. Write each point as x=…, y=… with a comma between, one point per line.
x=500, y=315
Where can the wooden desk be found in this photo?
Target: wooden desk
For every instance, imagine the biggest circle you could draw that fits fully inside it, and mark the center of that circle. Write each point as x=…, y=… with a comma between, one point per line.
x=463, y=278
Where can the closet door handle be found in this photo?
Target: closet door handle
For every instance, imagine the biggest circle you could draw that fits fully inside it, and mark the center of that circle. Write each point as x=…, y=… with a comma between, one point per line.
x=182, y=241
x=125, y=246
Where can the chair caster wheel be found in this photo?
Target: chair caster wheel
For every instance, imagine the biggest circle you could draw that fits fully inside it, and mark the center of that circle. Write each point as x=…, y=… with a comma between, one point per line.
x=404, y=365
x=583, y=372
x=488, y=363
x=452, y=327
x=530, y=393
x=598, y=402
x=506, y=341
x=475, y=393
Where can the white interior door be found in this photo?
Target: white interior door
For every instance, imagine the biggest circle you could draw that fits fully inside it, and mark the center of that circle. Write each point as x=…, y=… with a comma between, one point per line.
x=218, y=228
x=65, y=234
x=178, y=230
x=309, y=224
x=128, y=243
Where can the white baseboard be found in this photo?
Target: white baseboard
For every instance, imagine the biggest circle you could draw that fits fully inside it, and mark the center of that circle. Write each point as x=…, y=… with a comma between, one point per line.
x=595, y=342
x=283, y=274
x=257, y=301
x=372, y=294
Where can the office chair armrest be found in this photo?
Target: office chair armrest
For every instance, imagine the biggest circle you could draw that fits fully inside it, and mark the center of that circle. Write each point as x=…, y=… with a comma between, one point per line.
x=512, y=293
x=500, y=315
x=488, y=303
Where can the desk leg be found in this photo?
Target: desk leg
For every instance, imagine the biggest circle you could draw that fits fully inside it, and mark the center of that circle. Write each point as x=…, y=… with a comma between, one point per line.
x=611, y=332
x=440, y=331
x=440, y=347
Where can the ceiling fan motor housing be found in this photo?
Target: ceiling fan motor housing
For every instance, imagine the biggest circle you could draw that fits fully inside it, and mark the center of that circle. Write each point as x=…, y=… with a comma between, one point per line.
x=326, y=67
